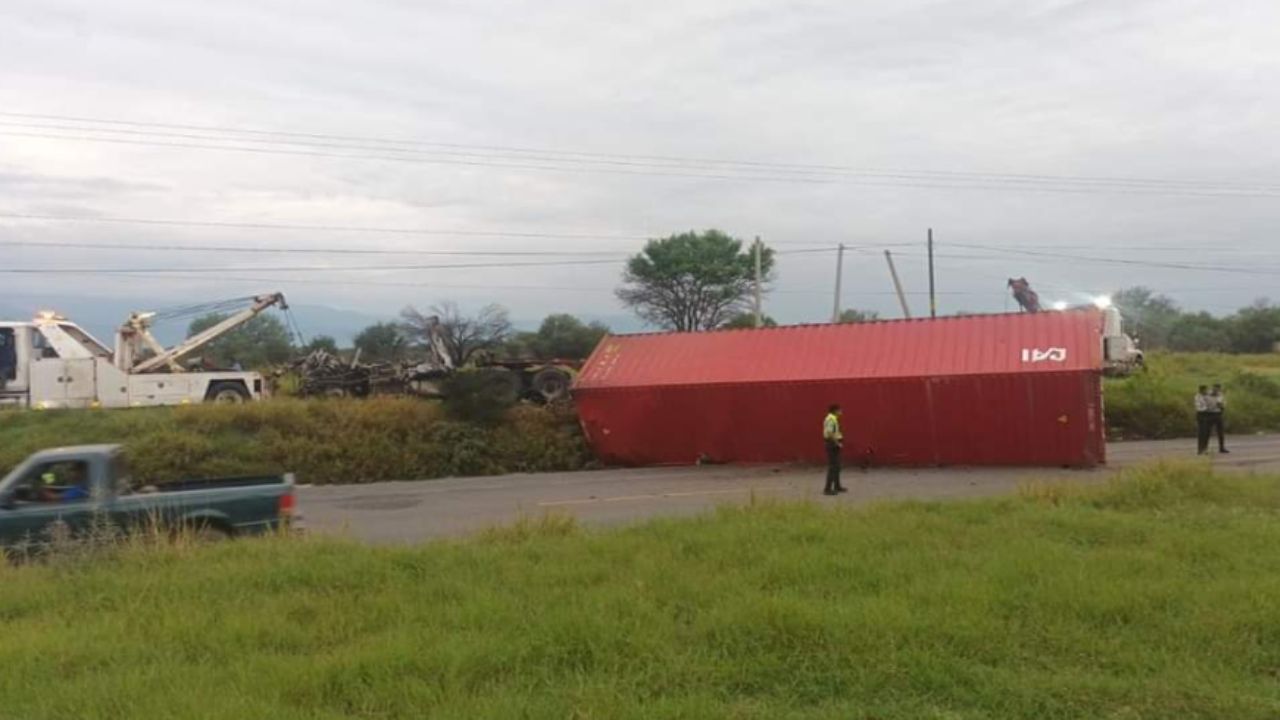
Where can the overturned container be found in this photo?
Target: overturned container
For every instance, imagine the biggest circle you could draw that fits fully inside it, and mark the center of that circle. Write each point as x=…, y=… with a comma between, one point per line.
x=1014, y=389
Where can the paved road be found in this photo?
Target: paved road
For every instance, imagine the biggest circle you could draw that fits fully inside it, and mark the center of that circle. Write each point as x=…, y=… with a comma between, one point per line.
x=418, y=510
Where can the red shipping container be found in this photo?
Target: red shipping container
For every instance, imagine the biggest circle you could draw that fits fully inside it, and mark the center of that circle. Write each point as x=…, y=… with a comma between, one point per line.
x=1019, y=389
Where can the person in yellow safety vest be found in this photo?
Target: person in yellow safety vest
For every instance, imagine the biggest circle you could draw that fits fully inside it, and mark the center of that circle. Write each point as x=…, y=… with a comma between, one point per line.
x=834, y=440
x=57, y=489
x=50, y=487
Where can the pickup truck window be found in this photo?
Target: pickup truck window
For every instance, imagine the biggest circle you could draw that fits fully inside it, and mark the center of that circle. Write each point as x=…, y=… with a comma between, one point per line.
x=55, y=482
x=120, y=471
x=8, y=355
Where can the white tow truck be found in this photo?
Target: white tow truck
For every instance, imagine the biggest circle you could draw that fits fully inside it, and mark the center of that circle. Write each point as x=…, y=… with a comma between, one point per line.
x=50, y=362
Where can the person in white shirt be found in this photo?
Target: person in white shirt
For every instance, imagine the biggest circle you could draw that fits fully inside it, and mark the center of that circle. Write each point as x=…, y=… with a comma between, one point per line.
x=1203, y=405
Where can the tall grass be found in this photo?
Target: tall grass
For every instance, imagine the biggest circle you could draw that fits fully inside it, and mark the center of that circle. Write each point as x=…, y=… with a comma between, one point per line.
x=323, y=441
x=1156, y=597
x=1158, y=403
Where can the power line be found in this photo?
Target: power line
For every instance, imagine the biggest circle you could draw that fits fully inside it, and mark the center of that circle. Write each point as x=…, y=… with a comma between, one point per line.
x=319, y=228
x=292, y=227
x=374, y=283
x=346, y=268
x=394, y=158
x=262, y=281
x=554, y=155
x=349, y=268
x=899, y=180
x=266, y=282
x=474, y=233
x=1119, y=261
x=309, y=251
x=1095, y=260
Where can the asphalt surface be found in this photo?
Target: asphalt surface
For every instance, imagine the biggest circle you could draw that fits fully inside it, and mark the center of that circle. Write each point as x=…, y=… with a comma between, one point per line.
x=412, y=511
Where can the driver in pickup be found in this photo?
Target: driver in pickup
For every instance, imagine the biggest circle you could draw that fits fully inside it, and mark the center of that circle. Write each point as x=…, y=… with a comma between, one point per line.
x=73, y=485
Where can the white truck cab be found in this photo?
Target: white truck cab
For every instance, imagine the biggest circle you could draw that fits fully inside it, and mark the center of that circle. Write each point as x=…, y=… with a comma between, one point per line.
x=1120, y=352
x=51, y=362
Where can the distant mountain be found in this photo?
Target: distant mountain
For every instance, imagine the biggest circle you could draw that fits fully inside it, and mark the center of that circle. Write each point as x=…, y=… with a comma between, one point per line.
x=341, y=325
x=101, y=317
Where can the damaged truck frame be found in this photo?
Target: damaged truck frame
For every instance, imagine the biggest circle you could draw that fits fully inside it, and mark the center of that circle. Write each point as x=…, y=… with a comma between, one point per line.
x=322, y=373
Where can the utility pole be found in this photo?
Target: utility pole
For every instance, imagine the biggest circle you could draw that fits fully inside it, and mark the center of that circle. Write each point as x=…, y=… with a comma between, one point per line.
x=933, y=298
x=835, y=310
x=897, y=285
x=759, y=307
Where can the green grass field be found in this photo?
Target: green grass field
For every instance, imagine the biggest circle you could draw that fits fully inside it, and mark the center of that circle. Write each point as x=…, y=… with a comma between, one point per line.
x=1156, y=597
x=1158, y=402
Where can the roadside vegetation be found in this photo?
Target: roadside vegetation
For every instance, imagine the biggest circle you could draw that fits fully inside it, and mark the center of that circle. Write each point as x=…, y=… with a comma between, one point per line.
x=1158, y=403
x=1155, y=596
x=352, y=441
x=322, y=441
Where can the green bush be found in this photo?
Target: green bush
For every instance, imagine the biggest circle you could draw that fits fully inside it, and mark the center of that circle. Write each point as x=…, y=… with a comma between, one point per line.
x=1159, y=404
x=1148, y=405
x=482, y=396
x=322, y=441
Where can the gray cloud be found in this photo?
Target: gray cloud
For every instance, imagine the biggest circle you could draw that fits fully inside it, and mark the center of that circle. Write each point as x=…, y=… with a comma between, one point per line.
x=1086, y=88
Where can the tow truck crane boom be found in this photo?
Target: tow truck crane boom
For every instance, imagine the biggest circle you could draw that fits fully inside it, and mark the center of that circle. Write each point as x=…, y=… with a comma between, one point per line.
x=138, y=329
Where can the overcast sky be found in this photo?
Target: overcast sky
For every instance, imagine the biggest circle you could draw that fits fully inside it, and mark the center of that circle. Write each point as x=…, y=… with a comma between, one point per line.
x=1177, y=91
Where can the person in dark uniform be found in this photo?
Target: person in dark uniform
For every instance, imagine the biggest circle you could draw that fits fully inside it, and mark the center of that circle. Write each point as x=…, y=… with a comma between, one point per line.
x=834, y=440
x=1217, y=406
x=1203, y=421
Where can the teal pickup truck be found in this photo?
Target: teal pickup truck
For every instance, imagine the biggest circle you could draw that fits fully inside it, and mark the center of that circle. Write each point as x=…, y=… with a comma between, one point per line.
x=75, y=485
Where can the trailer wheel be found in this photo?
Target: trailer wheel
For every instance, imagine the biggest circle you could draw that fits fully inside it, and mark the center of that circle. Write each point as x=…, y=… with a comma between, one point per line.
x=227, y=392
x=552, y=384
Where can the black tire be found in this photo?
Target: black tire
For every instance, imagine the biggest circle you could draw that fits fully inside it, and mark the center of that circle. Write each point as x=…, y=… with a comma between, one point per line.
x=209, y=533
x=552, y=384
x=232, y=393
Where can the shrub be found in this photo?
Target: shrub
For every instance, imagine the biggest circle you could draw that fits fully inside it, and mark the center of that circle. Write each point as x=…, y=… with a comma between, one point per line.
x=1148, y=405
x=322, y=441
x=480, y=396
x=1158, y=403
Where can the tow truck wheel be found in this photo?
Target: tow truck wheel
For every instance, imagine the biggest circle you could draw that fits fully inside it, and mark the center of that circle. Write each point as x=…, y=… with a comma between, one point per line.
x=231, y=393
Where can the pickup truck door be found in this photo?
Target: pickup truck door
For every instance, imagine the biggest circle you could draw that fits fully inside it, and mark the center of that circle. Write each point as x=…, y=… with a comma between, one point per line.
x=25, y=516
